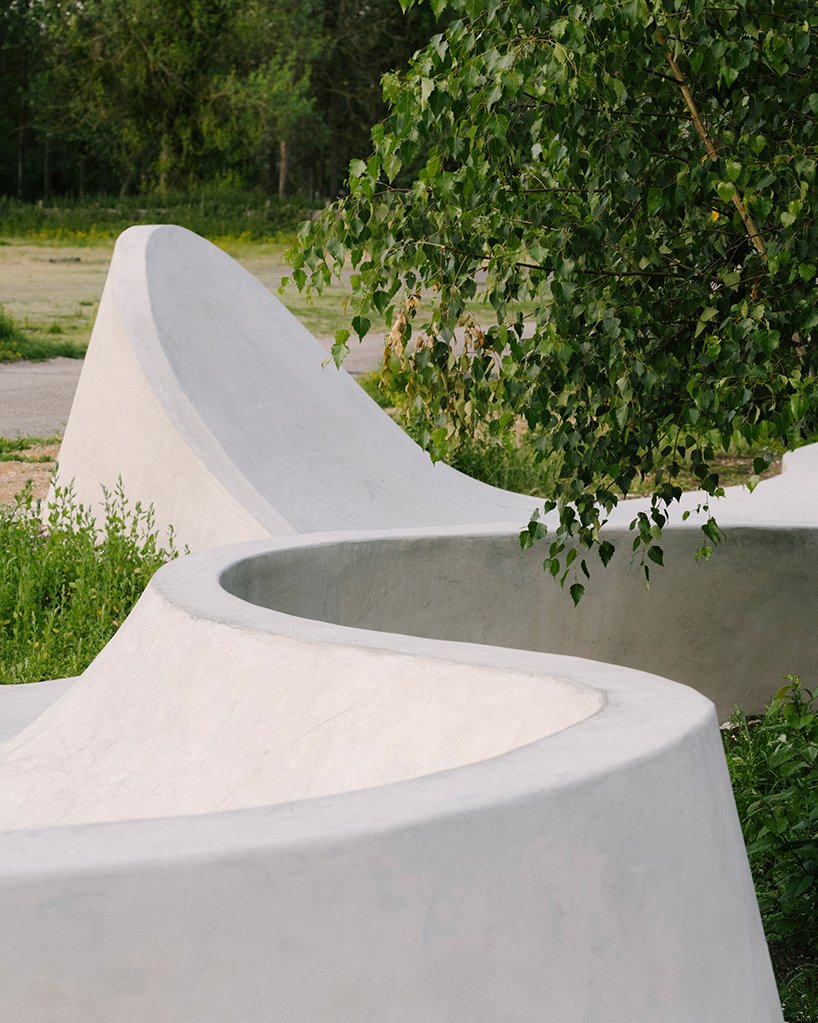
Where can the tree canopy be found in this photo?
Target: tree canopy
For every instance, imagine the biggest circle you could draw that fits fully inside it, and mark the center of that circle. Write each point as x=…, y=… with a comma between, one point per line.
x=631, y=186
x=154, y=95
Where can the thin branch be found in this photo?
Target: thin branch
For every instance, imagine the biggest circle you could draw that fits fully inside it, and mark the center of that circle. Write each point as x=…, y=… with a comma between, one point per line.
x=712, y=151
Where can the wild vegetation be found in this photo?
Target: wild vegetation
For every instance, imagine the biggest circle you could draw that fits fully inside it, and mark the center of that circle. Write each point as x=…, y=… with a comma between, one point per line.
x=642, y=174
x=127, y=97
x=17, y=343
x=66, y=585
x=216, y=213
x=773, y=762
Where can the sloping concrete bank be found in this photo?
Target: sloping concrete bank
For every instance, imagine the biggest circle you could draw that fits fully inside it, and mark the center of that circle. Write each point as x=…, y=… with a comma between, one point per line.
x=213, y=403
x=458, y=831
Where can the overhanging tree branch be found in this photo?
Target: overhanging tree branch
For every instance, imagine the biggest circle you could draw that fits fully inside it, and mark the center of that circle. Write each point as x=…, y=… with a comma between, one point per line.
x=712, y=150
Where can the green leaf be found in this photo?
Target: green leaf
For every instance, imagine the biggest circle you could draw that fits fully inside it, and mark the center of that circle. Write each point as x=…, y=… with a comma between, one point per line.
x=706, y=316
x=656, y=554
x=606, y=552
x=361, y=325
x=340, y=350
x=577, y=593
x=733, y=170
x=726, y=190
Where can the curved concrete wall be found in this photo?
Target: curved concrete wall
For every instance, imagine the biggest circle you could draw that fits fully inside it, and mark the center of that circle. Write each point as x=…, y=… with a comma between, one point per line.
x=715, y=625
x=198, y=706
x=297, y=785
x=596, y=873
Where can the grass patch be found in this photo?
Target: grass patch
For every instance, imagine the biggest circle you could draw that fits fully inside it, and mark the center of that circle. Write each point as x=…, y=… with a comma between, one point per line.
x=66, y=585
x=216, y=214
x=773, y=763
x=24, y=449
x=509, y=462
x=511, y=459
x=18, y=342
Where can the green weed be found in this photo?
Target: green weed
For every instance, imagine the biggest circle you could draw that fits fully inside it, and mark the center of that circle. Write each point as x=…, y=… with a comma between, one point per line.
x=18, y=445
x=66, y=585
x=513, y=458
x=773, y=762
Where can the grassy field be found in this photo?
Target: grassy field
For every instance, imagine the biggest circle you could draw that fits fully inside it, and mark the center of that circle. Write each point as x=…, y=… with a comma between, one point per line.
x=215, y=214
x=49, y=293
x=53, y=261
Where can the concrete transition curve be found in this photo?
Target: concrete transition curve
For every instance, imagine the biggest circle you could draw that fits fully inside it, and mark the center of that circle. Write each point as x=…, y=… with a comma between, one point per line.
x=368, y=765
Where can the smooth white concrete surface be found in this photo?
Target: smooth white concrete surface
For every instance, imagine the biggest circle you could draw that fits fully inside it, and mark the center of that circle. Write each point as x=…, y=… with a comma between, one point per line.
x=211, y=401
x=596, y=873
x=20, y=705
x=188, y=710
x=298, y=785
x=724, y=626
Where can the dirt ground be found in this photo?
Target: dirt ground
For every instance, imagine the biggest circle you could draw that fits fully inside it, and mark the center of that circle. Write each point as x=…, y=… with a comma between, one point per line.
x=15, y=475
x=41, y=286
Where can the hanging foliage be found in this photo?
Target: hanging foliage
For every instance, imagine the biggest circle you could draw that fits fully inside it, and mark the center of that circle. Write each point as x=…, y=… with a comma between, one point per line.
x=631, y=188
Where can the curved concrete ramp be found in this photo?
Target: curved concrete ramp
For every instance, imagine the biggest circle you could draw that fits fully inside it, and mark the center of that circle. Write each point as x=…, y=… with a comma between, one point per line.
x=213, y=403
x=298, y=785
x=309, y=821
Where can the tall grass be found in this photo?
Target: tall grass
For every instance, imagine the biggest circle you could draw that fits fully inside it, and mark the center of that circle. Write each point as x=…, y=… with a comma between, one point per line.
x=67, y=585
x=217, y=213
x=513, y=459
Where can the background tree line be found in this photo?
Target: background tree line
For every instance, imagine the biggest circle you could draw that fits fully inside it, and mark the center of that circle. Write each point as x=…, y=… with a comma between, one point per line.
x=127, y=96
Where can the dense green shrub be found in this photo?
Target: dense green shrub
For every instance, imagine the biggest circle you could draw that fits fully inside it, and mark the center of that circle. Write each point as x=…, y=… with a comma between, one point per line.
x=773, y=762
x=65, y=584
x=11, y=336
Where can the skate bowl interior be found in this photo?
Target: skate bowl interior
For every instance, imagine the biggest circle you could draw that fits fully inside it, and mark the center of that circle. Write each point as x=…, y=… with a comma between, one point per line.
x=724, y=627
x=294, y=708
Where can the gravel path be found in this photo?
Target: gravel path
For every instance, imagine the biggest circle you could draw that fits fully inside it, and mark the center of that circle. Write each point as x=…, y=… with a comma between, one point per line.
x=35, y=397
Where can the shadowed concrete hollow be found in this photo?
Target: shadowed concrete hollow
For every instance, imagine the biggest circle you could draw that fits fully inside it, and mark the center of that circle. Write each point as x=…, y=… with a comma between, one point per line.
x=371, y=765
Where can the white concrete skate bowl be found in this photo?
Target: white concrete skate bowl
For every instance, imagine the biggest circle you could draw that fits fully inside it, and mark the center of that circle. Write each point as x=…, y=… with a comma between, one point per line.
x=267, y=816
x=728, y=627
x=215, y=404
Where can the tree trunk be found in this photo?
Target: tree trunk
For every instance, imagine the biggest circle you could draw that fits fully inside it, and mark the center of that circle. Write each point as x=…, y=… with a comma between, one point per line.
x=282, y=168
x=46, y=170
x=164, y=165
x=21, y=131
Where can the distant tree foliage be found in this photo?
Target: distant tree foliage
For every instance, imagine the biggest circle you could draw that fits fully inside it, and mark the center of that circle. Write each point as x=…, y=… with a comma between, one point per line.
x=125, y=96
x=632, y=187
